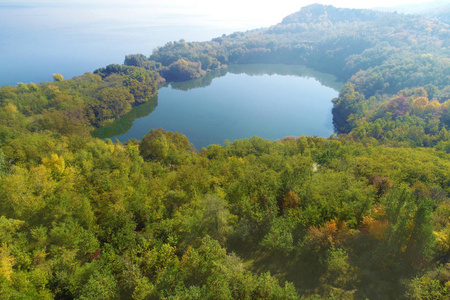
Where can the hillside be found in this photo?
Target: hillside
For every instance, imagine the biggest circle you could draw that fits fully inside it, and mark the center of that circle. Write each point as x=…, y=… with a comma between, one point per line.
x=363, y=214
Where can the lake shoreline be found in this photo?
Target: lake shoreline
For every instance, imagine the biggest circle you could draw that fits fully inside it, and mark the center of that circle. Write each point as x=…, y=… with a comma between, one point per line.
x=251, y=72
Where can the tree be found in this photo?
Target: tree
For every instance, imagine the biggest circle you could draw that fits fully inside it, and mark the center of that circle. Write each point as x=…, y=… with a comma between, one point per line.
x=346, y=108
x=279, y=239
x=154, y=145
x=167, y=147
x=290, y=200
x=339, y=272
x=57, y=77
x=398, y=106
x=137, y=60
x=216, y=218
x=419, y=105
x=101, y=286
x=140, y=85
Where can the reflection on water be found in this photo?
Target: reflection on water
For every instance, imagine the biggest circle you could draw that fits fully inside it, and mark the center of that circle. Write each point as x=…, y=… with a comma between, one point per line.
x=271, y=101
x=327, y=80
x=126, y=122
x=199, y=82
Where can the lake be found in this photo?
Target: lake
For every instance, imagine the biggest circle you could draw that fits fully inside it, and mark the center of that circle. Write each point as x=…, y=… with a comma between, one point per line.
x=269, y=101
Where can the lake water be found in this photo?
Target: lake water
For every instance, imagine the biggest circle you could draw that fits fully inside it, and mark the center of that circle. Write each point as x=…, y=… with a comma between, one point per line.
x=269, y=101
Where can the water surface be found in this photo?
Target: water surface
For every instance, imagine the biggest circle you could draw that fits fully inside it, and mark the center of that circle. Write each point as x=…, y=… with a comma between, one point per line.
x=270, y=101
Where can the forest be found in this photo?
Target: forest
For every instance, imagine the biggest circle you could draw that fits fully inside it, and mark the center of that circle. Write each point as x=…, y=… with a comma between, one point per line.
x=363, y=214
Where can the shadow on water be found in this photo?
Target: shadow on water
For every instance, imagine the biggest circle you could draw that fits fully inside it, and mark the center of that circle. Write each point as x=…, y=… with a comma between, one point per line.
x=327, y=80
x=124, y=124
x=199, y=82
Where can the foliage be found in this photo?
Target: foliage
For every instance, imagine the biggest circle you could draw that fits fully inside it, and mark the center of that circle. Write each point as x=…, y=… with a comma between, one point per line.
x=364, y=214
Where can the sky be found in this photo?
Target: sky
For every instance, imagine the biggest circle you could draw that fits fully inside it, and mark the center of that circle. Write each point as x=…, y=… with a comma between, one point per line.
x=247, y=13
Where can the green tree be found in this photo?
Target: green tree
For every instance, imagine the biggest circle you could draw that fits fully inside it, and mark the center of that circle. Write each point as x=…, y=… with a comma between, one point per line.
x=57, y=77
x=101, y=286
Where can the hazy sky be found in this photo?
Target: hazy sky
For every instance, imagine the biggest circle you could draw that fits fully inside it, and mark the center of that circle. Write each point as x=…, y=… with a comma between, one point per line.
x=270, y=12
x=235, y=4
x=343, y=3
x=244, y=14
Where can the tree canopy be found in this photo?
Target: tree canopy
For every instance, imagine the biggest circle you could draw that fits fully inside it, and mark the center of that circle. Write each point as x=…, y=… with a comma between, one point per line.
x=361, y=214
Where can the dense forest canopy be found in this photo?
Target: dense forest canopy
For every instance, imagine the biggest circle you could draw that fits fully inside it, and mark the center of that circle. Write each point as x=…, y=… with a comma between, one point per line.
x=362, y=214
